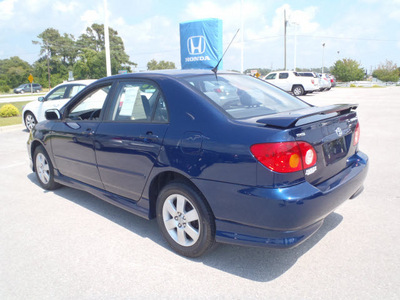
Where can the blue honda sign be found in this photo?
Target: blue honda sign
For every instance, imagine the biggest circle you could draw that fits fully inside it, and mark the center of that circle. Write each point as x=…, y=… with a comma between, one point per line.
x=201, y=44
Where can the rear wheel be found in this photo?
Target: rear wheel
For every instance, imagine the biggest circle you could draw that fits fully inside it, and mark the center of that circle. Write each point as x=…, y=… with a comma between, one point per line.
x=298, y=90
x=30, y=121
x=185, y=220
x=44, y=169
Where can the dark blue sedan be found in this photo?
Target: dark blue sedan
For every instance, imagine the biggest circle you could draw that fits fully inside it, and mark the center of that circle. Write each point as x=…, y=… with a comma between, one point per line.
x=214, y=157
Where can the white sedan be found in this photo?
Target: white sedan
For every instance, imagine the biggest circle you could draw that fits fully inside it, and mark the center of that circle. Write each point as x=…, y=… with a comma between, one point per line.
x=34, y=111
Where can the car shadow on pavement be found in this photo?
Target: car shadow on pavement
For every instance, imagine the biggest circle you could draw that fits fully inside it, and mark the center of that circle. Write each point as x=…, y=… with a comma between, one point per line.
x=265, y=264
x=257, y=264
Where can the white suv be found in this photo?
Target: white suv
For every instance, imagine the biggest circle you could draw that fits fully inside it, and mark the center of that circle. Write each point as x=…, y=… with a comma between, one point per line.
x=291, y=81
x=34, y=111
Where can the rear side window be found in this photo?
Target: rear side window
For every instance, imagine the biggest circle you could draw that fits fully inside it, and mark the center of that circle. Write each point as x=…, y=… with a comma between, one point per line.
x=283, y=75
x=244, y=96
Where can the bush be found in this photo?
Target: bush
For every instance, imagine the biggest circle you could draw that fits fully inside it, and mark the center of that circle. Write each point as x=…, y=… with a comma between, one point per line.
x=9, y=110
x=4, y=89
x=353, y=85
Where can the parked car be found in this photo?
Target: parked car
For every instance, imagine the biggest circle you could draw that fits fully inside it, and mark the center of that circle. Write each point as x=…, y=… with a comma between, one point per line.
x=333, y=80
x=34, y=111
x=313, y=75
x=291, y=81
x=325, y=82
x=26, y=88
x=263, y=170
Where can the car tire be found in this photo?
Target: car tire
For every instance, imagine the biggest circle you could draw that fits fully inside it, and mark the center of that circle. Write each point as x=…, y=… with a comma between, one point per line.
x=30, y=121
x=298, y=90
x=185, y=220
x=44, y=169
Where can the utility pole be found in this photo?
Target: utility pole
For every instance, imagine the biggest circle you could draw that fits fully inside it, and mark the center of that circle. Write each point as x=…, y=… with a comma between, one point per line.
x=284, y=25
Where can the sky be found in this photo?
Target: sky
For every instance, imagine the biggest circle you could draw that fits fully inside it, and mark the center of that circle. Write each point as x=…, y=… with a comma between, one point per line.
x=364, y=30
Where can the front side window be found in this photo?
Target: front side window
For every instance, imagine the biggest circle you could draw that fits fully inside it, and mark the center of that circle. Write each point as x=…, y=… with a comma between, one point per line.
x=75, y=90
x=90, y=107
x=57, y=94
x=271, y=76
x=244, y=96
x=139, y=102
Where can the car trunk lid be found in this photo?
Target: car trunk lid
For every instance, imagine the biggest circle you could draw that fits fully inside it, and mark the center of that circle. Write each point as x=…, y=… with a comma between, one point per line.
x=330, y=130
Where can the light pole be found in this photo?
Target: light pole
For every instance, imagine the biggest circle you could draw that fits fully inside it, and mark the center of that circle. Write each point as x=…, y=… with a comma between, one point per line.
x=284, y=43
x=295, y=45
x=323, y=52
x=107, y=40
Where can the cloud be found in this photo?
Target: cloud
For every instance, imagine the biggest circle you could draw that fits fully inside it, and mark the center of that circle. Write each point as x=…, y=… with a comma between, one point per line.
x=91, y=16
x=65, y=7
x=7, y=9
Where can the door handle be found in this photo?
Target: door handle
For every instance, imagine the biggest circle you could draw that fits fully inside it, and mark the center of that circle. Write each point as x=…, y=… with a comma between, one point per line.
x=88, y=132
x=149, y=137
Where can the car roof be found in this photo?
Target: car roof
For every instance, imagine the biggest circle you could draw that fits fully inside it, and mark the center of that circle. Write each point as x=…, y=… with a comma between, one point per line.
x=168, y=74
x=84, y=82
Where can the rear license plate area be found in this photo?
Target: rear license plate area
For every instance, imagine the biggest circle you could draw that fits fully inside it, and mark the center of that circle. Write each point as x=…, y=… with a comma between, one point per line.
x=335, y=150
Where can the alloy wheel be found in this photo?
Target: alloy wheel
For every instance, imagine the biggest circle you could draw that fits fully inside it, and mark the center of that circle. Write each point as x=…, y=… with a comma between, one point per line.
x=181, y=220
x=42, y=168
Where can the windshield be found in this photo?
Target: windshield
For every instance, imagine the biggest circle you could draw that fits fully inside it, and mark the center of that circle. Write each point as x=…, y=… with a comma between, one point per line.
x=243, y=96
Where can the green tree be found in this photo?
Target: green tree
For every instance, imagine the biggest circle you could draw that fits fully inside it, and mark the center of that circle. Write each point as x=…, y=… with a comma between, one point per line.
x=90, y=65
x=14, y=71
x=347, y=70
x=162, y=65
x=58, y=52
x=93, y=39
x=387, y=71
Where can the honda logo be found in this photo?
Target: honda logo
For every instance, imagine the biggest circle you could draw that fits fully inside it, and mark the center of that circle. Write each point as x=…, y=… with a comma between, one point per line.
x=196, y=45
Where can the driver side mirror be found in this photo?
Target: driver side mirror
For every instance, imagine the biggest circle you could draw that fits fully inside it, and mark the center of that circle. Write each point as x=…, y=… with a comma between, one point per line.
x=41, y=99
x=52, y=114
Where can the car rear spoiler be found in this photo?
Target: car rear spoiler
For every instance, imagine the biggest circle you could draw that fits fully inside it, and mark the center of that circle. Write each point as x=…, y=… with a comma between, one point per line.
x=315, y=113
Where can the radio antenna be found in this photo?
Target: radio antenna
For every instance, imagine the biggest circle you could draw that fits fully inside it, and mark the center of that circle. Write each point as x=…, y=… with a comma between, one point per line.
x=215, y=69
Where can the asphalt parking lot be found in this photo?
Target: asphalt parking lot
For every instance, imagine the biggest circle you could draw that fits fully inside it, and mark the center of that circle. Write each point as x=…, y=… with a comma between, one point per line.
x=68, y=244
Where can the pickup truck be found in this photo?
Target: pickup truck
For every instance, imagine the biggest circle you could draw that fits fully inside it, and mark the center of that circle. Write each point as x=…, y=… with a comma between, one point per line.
x=291, y=81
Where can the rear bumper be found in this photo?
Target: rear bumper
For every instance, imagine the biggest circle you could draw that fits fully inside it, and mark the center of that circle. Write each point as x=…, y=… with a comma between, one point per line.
x=280, y=217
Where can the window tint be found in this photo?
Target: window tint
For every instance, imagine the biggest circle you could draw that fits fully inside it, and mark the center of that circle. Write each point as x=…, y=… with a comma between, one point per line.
x=139, y=101
x=244, y=96
x=283, y=75
x=89, y=108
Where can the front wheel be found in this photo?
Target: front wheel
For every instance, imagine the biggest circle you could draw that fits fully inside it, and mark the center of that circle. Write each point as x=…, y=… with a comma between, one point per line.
x=44, y=169
x=30, y=121
x=185, y=220
x=298, y=90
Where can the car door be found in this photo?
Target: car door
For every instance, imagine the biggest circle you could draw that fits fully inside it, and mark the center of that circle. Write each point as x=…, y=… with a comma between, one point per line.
x=73, y=136
x=284, y=82
x=129, y=141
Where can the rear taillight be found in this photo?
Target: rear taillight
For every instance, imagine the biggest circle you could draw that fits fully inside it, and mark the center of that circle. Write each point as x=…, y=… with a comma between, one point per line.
x=356, y=135
x=285, y=157
x=312, y=81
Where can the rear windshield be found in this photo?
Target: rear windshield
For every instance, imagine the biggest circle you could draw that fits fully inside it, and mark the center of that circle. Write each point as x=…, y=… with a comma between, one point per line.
x=243, y=96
